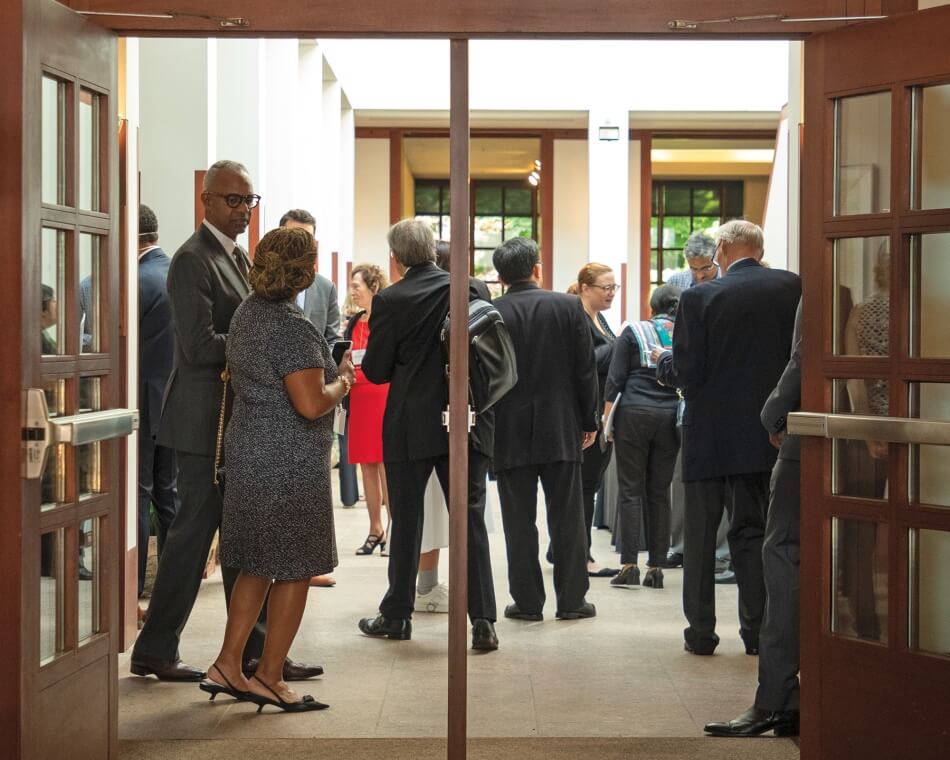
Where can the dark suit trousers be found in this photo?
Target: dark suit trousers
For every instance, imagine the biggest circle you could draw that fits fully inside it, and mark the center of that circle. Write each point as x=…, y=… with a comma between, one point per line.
x=518, y=490
x=407, y=484
x=592, y=478
x=183, y=560
x=746, y=501
x=158, y=471
x=349, y=486
x=678, y=515
x=647, y=443
x=778, y=639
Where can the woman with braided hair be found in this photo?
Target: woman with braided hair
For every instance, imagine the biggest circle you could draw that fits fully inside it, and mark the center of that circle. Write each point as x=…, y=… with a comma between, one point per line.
x=277, y=523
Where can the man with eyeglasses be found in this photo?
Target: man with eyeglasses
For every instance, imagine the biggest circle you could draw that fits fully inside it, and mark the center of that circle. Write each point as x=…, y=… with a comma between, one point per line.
x=207, y=281
x=699, y=251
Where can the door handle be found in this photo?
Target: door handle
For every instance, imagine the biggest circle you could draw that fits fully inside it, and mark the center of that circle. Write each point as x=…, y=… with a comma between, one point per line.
x=40, y=431
x=863, y=428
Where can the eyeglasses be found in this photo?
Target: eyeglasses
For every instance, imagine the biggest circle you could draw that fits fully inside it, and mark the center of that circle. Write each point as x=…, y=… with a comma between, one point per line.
x=708, y=268
x=236, y=199
x=607, y=288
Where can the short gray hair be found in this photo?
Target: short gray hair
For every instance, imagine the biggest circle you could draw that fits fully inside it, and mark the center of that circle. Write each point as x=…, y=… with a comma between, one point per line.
x=222, y=166
x=742, y=232
x=412, y=242
x=700, y=246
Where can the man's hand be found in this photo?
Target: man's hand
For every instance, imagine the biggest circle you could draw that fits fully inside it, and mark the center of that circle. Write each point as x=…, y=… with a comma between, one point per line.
x=776, y=439
x=656, y=353
x=588, y=440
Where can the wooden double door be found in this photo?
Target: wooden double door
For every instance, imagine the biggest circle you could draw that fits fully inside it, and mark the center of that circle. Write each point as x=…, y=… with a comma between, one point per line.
x=875, y=511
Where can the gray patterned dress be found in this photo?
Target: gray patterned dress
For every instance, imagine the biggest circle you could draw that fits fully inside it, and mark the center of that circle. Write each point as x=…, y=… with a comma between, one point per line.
x=278, y=511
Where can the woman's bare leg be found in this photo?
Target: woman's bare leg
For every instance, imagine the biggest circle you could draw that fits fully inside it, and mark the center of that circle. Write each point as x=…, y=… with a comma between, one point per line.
x=247, y=598
x=285, y=608
x=373, y=490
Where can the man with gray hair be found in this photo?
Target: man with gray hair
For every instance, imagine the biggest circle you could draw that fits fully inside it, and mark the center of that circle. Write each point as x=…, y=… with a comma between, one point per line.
x=699, y=251
x=405, y=350
x=732, y=342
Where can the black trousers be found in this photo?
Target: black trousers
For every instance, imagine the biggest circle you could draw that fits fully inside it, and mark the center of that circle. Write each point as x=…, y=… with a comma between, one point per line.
x=647, y=443
x=407, y=484
x=518, y=491
x=593, y=467
x=349, y=486
x=158, y=472
x=183, y=560
x=678, y=513
x=778, y=639
x=746, y=501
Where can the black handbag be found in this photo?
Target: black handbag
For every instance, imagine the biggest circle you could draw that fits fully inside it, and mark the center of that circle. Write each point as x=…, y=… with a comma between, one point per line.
x=219, y=442
x=492, y=369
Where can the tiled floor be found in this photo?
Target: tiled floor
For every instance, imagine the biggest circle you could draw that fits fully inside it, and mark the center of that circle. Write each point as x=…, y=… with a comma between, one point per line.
x=623, y=673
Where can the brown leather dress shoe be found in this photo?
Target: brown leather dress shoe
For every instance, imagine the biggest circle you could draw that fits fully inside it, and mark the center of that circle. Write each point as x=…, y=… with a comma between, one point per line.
x=293, y=671
x=165, y=670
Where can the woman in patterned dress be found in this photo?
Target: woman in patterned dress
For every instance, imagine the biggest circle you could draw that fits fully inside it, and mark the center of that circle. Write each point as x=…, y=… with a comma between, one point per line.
x=277, y=523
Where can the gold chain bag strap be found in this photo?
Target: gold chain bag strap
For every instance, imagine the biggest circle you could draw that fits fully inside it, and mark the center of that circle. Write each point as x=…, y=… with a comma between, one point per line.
x=219, y=443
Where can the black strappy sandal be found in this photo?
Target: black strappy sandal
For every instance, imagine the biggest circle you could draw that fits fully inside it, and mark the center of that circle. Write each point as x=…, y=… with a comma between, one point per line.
x=214, y=688
x=370, y=544
x=307, y=704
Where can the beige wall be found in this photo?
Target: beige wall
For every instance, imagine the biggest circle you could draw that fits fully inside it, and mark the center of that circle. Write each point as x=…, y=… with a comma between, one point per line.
x=570, y=211
x=755, y=190
x=935, y=145
x=371, y=217
x=408, y=189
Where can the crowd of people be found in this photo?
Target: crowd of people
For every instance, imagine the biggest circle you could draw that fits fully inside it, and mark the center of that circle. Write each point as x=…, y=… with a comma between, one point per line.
x=244, y=399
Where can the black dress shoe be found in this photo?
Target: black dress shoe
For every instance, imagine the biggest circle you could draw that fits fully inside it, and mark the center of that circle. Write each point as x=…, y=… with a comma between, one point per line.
x=726, y=577
x=756, y=721
x=586, y=610
x=751, y=643
x=293, y=671
x=398, y=629
x=673, y=559
x=484, y=637
x=514, y=611
x=165, y=670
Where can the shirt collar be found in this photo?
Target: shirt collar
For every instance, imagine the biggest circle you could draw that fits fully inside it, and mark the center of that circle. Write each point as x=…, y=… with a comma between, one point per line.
x=745, y=258
x=226, y=242
x=146, y=251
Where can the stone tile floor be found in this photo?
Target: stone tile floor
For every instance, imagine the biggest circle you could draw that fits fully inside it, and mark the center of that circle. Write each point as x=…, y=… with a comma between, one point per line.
x=623, y=673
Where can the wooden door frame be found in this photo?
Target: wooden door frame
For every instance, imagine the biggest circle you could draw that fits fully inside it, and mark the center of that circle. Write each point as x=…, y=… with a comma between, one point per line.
x=833, y=70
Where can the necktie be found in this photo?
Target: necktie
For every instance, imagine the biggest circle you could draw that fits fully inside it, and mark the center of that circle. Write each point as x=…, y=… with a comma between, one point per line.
x=240, y=260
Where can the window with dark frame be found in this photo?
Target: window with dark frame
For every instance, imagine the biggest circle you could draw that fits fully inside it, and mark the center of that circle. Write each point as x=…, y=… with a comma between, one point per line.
x=501, y=209
x=682, y=207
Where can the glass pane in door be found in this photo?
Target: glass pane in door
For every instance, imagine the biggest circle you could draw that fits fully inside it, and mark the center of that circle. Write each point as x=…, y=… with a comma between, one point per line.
x=89, y=150
x=53, y=141
x=930, y=600
x=53, y=484
x=859, y=468
x=930, y=160
x=52, y=283
x=929, y=465
x=863, y=154
x=51, y=595
x=88, y=579
x=89, y=331
x=930, y=294
x=89, y=457
x=861, y=296
x=859, y=579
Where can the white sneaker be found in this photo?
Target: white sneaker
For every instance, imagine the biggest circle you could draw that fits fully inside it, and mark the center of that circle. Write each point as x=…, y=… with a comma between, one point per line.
x=437, y=600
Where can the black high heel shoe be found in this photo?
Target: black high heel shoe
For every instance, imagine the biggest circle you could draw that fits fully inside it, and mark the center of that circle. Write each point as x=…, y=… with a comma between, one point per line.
x=306, y=704
x=214, y=688
x=653, y=578
x=370, y=544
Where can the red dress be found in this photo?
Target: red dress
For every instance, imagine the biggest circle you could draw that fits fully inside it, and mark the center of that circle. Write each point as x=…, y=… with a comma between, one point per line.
x=367, y=404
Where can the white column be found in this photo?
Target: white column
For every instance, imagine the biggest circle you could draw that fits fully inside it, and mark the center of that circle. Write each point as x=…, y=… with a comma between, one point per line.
x=371, y=204
x=570, y=233
x=634, y=252
x=172, y=148
x=608, y=189
x=328, y=218
x=308, y=128
x=278, y=146
x=795, y=119
x=347, y=189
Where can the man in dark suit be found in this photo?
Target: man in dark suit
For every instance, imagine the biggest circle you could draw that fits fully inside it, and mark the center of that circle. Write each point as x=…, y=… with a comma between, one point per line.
x=157, y=467
x=776, y=704
x=730, y=346
x=207, y=280
x=319, y=303
x=542, y=426
x=405, y=351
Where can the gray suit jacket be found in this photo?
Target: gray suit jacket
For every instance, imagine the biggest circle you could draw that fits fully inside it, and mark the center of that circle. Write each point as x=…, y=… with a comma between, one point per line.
x=322, y=308
x=787, y=396
x=205, y=287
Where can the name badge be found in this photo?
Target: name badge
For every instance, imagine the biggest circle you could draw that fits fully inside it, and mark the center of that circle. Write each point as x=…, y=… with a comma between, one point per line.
x=358, y=356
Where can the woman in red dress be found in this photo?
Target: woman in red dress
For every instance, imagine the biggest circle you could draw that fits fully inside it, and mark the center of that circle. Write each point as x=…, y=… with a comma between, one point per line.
x=367, y=404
